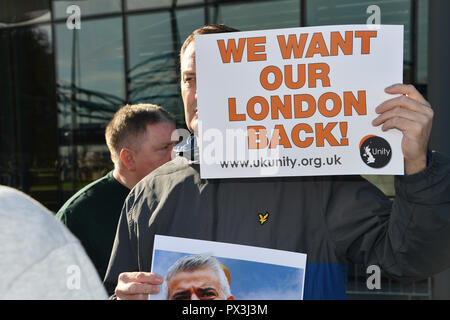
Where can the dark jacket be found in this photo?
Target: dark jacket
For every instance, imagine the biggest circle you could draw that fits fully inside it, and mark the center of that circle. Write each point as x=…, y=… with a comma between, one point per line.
x=335, y=220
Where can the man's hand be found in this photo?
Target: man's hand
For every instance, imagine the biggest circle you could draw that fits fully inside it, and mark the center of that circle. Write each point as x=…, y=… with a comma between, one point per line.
x=137, y=285
x=411, y=114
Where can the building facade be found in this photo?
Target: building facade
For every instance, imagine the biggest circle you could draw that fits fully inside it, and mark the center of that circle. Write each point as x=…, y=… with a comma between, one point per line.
x=67, y=66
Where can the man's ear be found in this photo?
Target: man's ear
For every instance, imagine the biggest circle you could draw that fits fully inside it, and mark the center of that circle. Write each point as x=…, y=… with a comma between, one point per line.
x=127, y=157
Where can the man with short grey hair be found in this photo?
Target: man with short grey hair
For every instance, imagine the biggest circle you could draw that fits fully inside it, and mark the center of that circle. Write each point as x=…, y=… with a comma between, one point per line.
x=196, y=277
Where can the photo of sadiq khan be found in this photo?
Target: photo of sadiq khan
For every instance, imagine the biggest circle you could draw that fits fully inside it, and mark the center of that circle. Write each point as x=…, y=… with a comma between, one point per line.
x=197, y=277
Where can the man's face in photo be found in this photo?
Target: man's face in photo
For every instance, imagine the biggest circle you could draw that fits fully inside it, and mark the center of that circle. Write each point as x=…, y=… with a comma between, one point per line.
x=199, y=284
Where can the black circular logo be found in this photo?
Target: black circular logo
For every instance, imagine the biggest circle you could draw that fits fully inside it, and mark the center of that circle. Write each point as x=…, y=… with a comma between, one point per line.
x=375, y=151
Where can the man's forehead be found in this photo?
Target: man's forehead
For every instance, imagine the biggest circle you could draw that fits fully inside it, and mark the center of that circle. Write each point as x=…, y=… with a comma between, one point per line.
x=203, y=274
x=160, y=129
x=188, y=58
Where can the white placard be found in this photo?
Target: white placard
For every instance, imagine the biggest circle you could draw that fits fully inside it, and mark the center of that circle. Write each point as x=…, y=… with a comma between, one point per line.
x=297, y=101
x=248, y=267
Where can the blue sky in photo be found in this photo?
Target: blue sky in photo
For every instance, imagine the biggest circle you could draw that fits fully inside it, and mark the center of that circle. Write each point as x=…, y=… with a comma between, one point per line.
x=249, y=280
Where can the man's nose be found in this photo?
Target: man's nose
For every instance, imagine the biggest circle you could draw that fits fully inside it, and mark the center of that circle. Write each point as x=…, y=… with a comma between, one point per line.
x=194, y=297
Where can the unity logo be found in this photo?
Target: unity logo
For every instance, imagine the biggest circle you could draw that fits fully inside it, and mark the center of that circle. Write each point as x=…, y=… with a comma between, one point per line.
x=375, y=151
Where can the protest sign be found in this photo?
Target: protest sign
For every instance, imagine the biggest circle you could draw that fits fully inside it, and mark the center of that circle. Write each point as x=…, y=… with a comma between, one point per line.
x=297, y=101
x=250, y=273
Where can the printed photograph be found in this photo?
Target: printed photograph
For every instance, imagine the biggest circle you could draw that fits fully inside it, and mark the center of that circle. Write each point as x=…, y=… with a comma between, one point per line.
x=210, y=272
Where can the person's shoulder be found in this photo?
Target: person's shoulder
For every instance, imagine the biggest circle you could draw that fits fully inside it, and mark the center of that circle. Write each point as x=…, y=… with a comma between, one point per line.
x=38, y=249
x=174, y=171
x=165, y=178
x=9, y=195
x=18, y=205
x=86, y=195
x=179, y=166
x=100, y=185
x=29, y=224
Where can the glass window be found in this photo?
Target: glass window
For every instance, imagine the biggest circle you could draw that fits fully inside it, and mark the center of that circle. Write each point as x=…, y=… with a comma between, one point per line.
x=8, y=159
x=146, y=4
x=154, y=41
x=257, y=16
x=93, y=56
x=28, y=134
x=422, y=42
x=87, y=7
x=153, y=57
x=326, y=12
x=13, y=12
x=90, y=88
x=187, y=21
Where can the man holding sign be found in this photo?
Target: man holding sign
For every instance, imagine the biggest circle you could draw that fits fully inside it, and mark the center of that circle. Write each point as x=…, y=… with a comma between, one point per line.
x=335, y=220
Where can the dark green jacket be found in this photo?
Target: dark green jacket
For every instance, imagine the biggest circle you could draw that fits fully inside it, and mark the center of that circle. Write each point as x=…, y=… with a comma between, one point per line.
x=92, y=215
